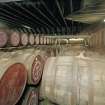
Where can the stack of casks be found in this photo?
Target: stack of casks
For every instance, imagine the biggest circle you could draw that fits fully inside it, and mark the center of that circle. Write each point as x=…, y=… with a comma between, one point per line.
x=20, y=75
x=16, y=39
x=19, y=40
x=71, y=80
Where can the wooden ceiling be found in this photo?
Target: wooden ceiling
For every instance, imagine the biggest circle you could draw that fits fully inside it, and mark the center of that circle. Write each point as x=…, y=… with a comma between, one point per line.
x=41, y=16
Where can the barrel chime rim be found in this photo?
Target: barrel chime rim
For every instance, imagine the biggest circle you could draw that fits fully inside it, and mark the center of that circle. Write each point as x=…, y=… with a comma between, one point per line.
x=37, y=73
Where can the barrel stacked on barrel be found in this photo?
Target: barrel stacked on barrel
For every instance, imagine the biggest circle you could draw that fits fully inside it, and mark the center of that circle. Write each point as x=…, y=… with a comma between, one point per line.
x=16, y=39
x=20, y=73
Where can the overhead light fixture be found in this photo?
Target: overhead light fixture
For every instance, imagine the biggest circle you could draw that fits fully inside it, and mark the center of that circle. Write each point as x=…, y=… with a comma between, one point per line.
x=27, y=27
x=104, y=20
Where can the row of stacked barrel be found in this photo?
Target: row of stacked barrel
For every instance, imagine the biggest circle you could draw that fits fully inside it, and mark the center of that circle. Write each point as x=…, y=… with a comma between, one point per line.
x=18, y=70
x=69, y=80
x=16, y=39
x=66, y=80
x=23, y=39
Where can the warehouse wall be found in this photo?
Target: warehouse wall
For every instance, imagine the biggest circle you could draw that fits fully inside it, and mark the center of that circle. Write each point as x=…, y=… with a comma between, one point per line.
x=97, y=39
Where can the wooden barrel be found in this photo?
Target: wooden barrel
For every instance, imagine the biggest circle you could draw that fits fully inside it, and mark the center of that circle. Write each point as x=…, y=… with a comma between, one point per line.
x=41, y=40
x=63, y=41
x=33, y=61
x=37, y=40
x=12, y=84
x=75, y=41
x=30, y=96
x=56, y=41
x=37, y=61
x=74, y=81
x=47, y=41
x=56, y=88
x=31, y=39
x=44, y=40
x=14, y=39
x=3, y=39
x=4, y=56
x=49, y=52
x=50, y=41
x=24, y=39
x=7, y=60
x=35, y=69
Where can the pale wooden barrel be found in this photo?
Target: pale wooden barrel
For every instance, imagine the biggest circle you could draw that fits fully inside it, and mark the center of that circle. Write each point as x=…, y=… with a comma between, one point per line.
x=14, y=39
x=35, y=68
x=63, y=41
x=53, y=41
x=31, y=39
x=24, y=39
x=44, y=41
x=7, y=60
x=91, y=82
x=49, y=52
x=57, y=80
x=3, y=39
x=41, y=40
x=75, y=41
x=56, y=41
x=50, y=41
x=33, y=61
x=74, y=81
x=37, y=40
x=47, y=41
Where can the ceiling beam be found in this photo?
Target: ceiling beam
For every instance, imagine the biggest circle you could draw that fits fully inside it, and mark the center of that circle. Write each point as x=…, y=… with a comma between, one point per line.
x=23, y=17
x=31, y=14
x=51, y=14
x=44, y=16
